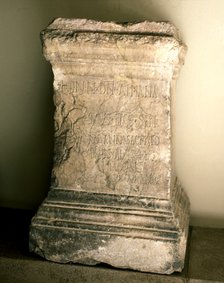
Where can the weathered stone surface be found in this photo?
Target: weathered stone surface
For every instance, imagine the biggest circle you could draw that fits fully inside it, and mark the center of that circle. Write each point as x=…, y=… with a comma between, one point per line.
x=114, y=197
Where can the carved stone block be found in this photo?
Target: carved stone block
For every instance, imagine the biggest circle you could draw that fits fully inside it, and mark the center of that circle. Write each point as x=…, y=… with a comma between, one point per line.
x=114, y=197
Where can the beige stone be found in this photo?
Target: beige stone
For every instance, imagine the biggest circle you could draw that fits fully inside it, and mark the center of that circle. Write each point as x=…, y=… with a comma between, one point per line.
x=115, y=197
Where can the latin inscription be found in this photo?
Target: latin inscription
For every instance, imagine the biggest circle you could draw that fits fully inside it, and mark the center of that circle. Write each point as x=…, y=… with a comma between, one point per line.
x=130, y=121
x=120, y=137
x=151, y=90
x=137, y=140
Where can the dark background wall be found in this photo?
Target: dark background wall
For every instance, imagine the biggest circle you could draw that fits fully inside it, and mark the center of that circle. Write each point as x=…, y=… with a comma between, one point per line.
x=26, y=105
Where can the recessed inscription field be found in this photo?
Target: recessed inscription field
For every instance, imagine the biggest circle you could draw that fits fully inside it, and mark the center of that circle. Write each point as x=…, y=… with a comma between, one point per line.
x=114, y=133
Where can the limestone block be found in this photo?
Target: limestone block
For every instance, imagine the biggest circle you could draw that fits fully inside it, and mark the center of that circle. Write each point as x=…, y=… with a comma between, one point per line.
x=115, y=197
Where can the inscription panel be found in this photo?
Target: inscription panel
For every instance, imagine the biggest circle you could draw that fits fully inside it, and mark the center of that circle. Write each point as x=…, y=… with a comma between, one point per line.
x=114, y=135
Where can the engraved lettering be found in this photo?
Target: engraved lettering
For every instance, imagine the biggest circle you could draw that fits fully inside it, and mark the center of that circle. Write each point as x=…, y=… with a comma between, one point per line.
x=152, y=89
x=116, y=139
x=123, y=119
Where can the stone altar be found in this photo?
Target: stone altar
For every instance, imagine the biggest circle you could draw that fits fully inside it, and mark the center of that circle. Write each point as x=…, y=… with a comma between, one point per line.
x=115, y=197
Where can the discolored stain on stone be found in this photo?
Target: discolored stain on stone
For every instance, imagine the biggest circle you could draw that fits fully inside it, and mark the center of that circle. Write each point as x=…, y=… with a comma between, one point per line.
x=115, y=197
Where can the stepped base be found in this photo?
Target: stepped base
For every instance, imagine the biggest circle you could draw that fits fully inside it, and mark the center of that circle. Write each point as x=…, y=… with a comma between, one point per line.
x=124, y=231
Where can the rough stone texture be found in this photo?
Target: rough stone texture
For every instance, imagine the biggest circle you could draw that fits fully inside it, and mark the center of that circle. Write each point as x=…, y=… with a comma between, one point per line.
x=204, y=260
x=114, y=197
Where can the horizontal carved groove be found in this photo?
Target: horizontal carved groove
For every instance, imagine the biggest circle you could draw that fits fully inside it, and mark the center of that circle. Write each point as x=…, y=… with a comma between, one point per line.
x=127, y=216
x=107, y=225
x=111, y=217
x=152, y=221
x=131, y=202
x=131, y=64
x=85, y=192
x=88, y=227
x=102, y=232
x=125, y=63
x=106, y=208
